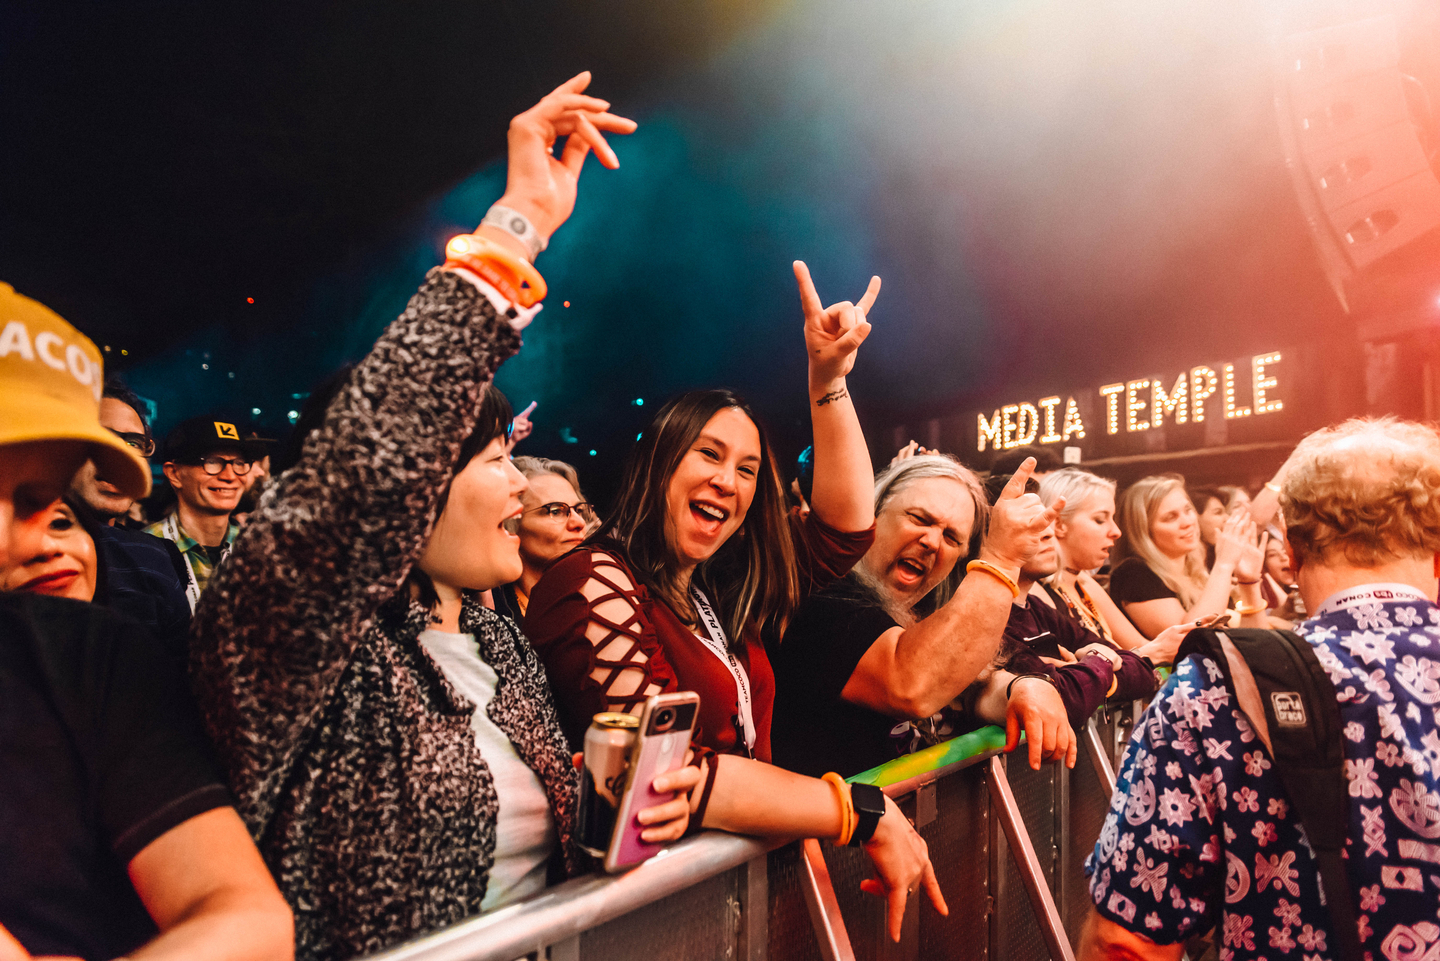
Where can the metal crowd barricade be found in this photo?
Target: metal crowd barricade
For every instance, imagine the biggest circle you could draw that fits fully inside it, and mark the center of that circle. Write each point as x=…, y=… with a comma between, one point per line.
x=1008, y=844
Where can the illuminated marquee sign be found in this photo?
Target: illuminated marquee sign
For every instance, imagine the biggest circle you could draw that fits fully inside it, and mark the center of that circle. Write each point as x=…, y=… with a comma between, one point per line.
x=1142, y=404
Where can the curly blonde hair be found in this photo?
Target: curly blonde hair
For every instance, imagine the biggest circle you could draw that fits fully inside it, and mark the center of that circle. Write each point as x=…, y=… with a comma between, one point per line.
x=1364, y=491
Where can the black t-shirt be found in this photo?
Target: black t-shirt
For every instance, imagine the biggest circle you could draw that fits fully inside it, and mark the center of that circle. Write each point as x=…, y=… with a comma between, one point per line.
x=814, y=730
x=100, y=754
x=1134, y=581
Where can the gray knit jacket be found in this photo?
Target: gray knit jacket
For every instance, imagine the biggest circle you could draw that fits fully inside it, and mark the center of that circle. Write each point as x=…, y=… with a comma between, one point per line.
x=351, y=757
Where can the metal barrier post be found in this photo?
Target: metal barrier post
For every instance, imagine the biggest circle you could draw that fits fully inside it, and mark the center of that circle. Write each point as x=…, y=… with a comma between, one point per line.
x=830, y=930
x=1030, y=871
x=755, y=936
x=1099, y=756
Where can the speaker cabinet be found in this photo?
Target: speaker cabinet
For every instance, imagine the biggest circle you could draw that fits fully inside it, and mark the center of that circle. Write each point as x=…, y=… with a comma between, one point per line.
x=1351, y=144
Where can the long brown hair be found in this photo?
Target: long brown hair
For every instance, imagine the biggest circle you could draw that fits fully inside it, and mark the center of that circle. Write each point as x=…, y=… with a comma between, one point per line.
x=752, y=578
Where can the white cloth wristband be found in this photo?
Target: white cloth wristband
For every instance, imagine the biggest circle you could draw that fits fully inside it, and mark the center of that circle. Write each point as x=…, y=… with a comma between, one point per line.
x=517, y=225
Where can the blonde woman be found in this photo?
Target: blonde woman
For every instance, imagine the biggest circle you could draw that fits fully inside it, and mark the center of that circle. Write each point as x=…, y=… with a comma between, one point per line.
x=1163, y=581
x=1085, y=532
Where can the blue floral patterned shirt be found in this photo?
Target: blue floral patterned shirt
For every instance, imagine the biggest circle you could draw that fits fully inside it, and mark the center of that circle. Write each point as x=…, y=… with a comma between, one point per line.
x=1200, y=831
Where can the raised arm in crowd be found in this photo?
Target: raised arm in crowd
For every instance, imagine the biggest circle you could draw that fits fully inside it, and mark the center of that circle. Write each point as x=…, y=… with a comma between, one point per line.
x=699, y=568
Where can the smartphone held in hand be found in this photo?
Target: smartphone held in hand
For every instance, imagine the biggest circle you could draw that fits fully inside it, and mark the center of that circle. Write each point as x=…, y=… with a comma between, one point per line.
x=664, y=737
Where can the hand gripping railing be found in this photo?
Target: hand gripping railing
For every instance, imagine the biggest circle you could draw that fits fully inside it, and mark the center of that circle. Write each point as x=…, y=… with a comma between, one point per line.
x=727, y=897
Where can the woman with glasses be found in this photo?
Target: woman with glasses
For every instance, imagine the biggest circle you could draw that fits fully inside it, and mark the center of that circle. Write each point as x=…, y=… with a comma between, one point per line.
x=556, y=519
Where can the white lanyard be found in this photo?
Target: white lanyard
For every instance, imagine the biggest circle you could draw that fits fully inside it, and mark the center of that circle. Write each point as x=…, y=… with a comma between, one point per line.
x=716, y=643
x=1369, y=594
x=170, y=530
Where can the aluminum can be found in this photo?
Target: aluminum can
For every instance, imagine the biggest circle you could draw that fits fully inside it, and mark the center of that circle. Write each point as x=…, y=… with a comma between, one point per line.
x=608, y=743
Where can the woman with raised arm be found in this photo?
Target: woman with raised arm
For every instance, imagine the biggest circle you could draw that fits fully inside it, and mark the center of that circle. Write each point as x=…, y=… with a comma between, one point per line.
x=699, y=566
x=1164, y=582
x=392, y=744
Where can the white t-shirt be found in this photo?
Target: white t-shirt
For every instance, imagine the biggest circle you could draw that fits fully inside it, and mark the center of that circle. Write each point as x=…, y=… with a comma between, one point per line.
x=525, y=830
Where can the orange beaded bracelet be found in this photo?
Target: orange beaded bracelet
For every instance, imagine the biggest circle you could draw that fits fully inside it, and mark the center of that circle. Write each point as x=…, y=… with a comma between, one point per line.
x=515, y=279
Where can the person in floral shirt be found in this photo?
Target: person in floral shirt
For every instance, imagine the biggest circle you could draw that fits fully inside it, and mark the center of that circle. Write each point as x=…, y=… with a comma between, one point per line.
x=1200, y=832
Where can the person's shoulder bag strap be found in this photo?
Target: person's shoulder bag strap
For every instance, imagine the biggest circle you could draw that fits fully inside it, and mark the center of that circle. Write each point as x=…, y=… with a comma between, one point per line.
x=1282, y=688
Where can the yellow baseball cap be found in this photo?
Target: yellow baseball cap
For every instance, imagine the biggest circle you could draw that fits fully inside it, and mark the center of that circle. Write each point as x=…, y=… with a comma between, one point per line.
x=51, y=378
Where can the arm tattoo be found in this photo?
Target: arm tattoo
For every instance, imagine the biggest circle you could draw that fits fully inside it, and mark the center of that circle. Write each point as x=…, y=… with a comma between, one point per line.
x=833, y=396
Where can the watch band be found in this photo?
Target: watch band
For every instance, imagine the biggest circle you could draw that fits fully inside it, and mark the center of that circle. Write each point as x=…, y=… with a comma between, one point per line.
x=869, y=802
x=517, y=225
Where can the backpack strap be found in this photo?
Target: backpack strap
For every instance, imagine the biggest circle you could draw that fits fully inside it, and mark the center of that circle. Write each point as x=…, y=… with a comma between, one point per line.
x=1289, y=699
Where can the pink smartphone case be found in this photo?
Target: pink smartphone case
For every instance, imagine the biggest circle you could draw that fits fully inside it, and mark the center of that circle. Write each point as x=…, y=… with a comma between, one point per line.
x=659, y=753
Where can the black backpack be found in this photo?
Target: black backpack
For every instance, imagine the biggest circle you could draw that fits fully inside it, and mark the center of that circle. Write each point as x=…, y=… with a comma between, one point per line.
x=1304, y=728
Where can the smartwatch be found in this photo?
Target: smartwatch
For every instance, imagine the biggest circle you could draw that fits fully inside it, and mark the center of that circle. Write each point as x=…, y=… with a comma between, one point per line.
x=869, y=802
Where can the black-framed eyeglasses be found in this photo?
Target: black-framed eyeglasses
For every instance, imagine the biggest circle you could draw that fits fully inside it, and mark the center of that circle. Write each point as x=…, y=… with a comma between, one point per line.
x=216, y=465
x=143, y=444
x=562, y=511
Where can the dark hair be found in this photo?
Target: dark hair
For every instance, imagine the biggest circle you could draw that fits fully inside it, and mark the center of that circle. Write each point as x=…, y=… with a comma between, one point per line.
x=752, y=578
x=117, y=389
x=1008, y=462
x=1201, y=496
x=492, y=420
x=995, y=486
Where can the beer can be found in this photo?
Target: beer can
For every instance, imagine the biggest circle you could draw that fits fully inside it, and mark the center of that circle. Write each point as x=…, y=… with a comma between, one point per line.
x=602, y=778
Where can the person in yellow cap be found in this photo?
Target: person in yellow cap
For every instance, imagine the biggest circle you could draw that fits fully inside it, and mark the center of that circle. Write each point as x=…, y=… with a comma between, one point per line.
x=117, y=834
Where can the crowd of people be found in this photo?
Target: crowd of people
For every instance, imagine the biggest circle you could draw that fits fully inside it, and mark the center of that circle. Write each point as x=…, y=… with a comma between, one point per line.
x=318, y=711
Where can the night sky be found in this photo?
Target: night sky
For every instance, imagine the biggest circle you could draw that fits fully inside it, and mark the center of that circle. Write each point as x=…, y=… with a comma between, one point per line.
x=1051, y=192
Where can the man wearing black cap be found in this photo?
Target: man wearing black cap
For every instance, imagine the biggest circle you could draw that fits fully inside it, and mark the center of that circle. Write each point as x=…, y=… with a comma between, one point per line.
x=206, y=461
x=117, y=834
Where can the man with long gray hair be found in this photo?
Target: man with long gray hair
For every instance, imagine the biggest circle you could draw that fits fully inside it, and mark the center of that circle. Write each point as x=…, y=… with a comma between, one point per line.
x=863, y=677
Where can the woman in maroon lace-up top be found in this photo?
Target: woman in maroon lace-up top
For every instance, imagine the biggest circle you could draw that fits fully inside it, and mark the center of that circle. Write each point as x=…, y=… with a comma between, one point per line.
x=699, y=560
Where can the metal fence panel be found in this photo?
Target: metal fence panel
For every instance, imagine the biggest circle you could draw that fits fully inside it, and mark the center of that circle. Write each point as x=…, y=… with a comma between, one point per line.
x=700, y=923
x=1017, y=935
x=703, y=901
x=1088, y=803
x=792, y=938
x=959, y=840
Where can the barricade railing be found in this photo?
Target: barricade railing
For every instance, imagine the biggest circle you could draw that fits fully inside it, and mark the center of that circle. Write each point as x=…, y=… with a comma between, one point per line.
x=1008, y=844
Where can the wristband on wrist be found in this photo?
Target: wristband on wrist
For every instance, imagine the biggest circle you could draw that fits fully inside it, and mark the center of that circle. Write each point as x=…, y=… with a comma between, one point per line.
x=868, y=802
x=1114, y=685
x=995, y=572
x=847, y=809
x=1020, y=677
x=517, y=225
x=515, y=279
x=1244, y=609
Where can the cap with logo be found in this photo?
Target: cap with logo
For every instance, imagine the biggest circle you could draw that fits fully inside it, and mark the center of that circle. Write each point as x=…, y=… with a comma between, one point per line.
x=199, y=436
x=51, y=378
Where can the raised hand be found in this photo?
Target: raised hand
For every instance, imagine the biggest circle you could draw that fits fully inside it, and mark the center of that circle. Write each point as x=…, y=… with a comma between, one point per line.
x=540, y=185
x=1018, y=522
x=902, y=860
x=522, y=427
x=1235, y=545
x=1251, y=563
x=832, y=334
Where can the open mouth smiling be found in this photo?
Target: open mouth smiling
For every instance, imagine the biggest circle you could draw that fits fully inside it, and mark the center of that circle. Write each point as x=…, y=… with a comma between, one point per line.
x=710, y=512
